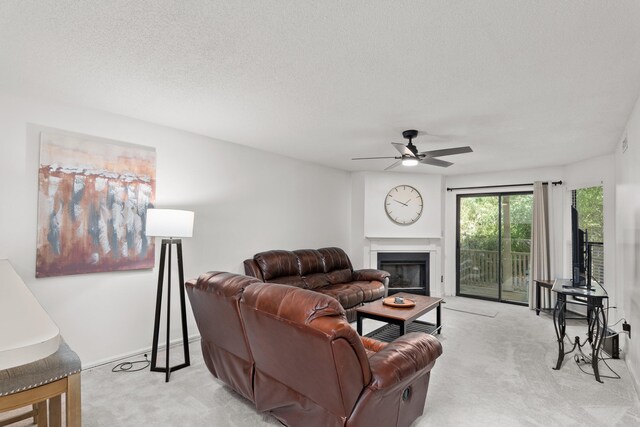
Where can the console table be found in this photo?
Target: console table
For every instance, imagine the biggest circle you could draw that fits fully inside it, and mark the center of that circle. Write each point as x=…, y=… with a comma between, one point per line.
x=596, y=319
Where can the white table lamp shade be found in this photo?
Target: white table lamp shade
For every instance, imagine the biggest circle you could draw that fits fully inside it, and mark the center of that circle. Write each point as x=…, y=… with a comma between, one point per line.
x=169, y=223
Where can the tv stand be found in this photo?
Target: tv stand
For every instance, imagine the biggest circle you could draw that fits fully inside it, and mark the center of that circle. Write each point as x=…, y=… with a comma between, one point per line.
x=596, y=318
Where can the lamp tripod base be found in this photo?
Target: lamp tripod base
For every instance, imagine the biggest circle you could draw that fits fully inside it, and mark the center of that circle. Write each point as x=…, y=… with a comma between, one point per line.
x=167, y=244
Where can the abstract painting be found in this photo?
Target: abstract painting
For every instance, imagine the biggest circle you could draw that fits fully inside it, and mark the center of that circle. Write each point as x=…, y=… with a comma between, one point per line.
x=93, y=196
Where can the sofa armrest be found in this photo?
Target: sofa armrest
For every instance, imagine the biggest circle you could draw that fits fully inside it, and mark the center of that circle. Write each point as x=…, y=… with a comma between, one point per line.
x=404, y=358
x=252, y=269
x=372, y=344
x=369, y=274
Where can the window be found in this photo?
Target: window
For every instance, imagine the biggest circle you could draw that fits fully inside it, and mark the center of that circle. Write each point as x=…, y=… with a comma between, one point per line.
x=588, y=202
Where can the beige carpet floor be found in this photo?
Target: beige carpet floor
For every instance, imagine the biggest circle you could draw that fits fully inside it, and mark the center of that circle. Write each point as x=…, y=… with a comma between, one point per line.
x=495, y=371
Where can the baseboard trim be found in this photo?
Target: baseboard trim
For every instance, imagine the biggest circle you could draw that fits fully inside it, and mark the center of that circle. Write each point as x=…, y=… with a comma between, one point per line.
x=139, y=352
x=634, y=376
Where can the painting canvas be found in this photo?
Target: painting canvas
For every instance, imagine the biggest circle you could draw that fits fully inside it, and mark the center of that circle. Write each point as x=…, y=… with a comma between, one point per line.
x=93, y=196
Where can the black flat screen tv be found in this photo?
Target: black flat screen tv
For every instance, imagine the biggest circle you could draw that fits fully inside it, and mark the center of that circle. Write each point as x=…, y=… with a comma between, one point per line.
x=578, y=251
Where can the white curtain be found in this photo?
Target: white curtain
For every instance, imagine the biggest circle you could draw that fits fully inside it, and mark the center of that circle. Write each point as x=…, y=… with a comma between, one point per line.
x=540, y=243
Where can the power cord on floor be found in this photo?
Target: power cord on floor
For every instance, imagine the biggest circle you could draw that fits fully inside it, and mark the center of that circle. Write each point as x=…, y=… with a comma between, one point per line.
x=587, y=361
x=130, y=366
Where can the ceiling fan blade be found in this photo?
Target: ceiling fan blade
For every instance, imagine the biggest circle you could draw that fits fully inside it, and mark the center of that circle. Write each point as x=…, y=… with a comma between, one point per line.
x=393, y=165
x=435, y=162
x=403, y=149
x=371, y=158
x=447, y=151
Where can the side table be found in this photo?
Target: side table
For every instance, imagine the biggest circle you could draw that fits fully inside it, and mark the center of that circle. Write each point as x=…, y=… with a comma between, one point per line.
x=547, y=285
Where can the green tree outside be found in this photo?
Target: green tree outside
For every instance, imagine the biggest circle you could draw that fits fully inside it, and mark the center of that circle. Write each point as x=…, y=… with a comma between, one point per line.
x=479, y=222
x=590, y=215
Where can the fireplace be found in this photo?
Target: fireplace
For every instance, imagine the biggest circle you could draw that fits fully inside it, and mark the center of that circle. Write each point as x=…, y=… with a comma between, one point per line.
x=409, y=271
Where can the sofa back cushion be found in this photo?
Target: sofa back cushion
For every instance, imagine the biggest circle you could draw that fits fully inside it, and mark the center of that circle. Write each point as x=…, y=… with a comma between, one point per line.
x=303, y=348
x=335, y=259
x=303, y=268
x=311, y=263
x=277, y=263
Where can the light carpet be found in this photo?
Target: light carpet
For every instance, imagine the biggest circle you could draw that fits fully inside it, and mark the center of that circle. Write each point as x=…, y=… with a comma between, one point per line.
x=495, y=371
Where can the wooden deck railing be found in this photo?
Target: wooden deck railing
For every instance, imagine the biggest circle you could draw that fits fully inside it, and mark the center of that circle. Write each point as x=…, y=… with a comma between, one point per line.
x=480, y=267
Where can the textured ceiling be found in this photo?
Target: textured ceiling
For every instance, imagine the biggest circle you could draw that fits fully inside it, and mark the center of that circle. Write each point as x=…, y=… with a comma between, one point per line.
x=525, y=83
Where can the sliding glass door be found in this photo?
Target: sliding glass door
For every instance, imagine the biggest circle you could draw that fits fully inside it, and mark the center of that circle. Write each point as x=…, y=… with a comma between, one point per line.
x=493, y=246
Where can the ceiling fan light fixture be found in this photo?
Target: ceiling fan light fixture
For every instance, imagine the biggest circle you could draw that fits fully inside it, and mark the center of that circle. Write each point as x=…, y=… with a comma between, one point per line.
x=409, y=161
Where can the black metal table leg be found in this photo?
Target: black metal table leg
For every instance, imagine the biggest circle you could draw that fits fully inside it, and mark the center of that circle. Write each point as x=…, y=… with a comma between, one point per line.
x=598, y=338
x=559, y=323
x=439, y=318
x=359, y=324
x=596, y=321
x=538, y=298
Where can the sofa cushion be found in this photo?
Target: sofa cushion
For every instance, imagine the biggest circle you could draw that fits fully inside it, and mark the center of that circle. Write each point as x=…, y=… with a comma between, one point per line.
x=296, y=281
x=310, y=261
x=348, y=296
x=339, y=276
x=277, y=263
x=335, y=259
x=315, y=281
x=371, y=290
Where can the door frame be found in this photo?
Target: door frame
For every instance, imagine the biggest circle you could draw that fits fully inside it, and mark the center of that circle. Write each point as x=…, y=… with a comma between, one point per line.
x=499, y=194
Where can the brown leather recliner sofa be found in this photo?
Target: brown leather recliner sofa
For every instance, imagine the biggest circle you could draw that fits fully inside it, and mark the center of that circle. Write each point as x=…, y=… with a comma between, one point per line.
x=327, y=271
x=292, y=352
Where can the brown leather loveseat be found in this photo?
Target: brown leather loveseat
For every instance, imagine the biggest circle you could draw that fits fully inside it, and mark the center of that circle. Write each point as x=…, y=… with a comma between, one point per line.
x=327, y=271
x=292, y=352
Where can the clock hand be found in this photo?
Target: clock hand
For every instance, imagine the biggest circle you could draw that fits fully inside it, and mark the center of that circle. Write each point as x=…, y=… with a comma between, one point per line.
x=400, y=202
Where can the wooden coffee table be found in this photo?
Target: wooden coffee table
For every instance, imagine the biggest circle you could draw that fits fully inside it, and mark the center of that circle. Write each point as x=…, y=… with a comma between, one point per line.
x=403, y=317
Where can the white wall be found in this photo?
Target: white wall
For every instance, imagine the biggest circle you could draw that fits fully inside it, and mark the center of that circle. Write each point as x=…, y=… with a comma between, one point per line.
x=372, y=230
x=376, y=222
x=244, y=200
x=627, y=230
x=358, y=239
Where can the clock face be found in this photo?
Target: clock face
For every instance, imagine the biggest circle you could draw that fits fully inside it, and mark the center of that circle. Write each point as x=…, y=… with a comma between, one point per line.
x=403, y=205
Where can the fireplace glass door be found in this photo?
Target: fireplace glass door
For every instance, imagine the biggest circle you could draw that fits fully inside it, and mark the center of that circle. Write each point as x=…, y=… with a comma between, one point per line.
x=409, y=272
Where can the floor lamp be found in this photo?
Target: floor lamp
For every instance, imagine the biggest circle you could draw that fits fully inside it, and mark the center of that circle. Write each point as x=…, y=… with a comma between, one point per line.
x=171, y=225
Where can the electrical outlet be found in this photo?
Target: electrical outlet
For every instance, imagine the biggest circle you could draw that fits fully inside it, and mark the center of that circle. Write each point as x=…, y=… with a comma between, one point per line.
x=627, y=328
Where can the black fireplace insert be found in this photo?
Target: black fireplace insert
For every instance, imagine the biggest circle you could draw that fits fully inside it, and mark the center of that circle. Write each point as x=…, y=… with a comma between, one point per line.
x=409, y=271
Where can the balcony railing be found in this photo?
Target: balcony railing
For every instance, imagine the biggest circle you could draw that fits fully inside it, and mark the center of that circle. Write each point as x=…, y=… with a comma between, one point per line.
x=480, y=267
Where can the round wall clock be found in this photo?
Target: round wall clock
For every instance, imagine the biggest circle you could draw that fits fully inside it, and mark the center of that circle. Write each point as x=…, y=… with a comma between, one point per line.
x=403, y=204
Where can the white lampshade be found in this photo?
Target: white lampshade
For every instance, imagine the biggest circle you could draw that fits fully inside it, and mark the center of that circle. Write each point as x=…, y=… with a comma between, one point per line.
x=169, y=223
